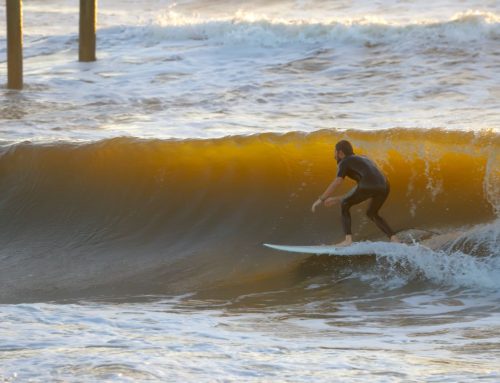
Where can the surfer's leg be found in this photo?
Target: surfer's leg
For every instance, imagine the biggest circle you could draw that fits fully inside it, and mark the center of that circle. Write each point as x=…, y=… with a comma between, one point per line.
x=376, y=203
x=355, y=196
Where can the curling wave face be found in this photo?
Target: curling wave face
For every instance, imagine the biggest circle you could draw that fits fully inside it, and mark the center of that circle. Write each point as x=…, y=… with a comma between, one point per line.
x=127, y=215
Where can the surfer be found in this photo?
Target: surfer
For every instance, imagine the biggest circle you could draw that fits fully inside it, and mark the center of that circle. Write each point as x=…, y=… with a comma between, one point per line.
x=371, y=183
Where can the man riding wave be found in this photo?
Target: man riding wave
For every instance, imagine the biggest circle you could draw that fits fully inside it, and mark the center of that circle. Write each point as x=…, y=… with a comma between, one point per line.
x=371, y=184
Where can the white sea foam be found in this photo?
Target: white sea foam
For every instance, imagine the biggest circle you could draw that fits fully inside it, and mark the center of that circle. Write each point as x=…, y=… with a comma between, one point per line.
x=247, y=28
x=471, y=260
x=408, y=336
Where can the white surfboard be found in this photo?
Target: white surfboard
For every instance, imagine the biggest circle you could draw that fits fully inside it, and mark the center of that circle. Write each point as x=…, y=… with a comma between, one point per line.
x=357, y=248
x=322, y=249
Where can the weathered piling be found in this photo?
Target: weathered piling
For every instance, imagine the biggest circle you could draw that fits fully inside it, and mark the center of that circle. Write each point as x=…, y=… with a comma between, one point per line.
x=88, y=15
x=14, y=44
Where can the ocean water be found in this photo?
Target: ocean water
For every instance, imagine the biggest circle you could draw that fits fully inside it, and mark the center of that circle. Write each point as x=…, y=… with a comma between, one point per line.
x=136, y=193
x=205, y=69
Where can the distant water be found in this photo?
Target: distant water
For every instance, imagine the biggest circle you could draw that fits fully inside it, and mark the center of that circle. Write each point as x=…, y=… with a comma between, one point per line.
x=136, y=191
x=209, y=69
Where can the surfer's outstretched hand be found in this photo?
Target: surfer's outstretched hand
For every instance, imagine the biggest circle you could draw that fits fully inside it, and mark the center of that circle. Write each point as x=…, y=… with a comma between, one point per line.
x=316, y=204
x=332, y=201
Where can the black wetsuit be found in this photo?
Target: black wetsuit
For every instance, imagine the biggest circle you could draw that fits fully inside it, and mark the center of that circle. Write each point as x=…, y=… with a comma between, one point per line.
x=371, y=184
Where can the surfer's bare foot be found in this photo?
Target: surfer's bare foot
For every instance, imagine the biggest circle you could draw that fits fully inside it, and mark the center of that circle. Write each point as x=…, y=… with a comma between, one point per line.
x=343, y=244
x=346, y=242
x=395, y=239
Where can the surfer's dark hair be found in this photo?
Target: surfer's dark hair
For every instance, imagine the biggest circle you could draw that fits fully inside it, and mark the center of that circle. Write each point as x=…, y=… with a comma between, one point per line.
x=345, y=146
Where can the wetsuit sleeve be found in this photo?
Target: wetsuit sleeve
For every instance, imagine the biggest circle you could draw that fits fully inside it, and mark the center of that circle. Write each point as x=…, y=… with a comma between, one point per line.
x=341, y=170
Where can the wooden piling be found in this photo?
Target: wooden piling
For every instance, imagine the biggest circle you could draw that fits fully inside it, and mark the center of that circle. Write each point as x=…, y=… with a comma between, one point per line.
x=14, y=44
x=88, y=9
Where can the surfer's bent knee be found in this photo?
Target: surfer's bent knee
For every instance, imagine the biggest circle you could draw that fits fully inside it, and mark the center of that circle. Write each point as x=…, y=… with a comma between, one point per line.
x=371, y=214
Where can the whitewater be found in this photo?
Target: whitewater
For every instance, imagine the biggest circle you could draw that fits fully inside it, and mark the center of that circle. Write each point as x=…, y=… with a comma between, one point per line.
x=136, y=193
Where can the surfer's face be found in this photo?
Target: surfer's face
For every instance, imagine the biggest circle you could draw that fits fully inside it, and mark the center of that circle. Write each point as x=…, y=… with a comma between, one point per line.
x=339, y=155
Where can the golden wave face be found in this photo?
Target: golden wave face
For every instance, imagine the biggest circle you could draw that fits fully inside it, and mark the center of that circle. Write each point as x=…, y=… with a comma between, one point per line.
x=158, y=207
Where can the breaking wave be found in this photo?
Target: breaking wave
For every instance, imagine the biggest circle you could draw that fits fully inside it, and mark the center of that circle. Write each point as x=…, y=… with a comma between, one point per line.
x=250, y=29
x=129, y=215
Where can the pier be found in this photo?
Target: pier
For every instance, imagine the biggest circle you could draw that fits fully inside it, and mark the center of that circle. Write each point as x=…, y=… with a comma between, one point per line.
x=14, y=14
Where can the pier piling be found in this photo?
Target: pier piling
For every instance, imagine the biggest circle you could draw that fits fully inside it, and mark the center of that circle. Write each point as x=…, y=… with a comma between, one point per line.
x=87, y=47
x=14, y=44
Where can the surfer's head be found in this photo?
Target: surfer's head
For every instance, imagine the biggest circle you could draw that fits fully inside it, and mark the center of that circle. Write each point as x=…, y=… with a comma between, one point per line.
x=343, y=149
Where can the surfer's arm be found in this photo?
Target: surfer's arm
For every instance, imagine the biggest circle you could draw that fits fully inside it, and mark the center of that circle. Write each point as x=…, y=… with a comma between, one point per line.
x=331, y=188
